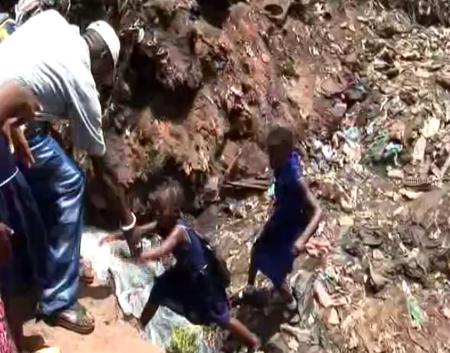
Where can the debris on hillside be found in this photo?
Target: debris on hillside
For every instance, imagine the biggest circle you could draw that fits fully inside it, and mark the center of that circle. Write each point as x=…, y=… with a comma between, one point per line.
x=366, y=88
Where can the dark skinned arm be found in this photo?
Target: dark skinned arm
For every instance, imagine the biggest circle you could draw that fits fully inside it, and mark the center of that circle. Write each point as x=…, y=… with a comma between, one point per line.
x=115, y=195
x=314, y=215
x=175, y=238
x=17, y=102
x=145, y=230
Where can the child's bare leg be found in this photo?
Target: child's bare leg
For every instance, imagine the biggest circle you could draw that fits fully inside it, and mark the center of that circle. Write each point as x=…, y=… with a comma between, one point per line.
x=286, y=293
x=252, y=271
x=239, y=330
x=149, y=311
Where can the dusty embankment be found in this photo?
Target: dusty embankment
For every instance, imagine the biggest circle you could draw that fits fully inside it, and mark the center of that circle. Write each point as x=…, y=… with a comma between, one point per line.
x=366, y=88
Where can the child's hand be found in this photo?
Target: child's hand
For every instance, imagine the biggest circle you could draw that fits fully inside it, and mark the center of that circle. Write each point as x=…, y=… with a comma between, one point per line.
x=298, y=248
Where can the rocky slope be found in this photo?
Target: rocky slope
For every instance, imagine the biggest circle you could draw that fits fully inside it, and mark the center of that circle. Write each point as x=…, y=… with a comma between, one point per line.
x=364, y=84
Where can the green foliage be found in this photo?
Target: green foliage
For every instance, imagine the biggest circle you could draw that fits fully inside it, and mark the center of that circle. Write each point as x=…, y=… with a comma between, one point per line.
x=184, y=340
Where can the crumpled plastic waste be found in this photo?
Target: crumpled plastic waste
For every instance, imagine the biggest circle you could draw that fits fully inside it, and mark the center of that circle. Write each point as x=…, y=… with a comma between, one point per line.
x=384, y=150
x=132, y=285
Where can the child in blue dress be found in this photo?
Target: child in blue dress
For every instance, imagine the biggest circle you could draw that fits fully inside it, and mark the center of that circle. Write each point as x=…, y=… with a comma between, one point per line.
x=295, y=217
x=193, y=287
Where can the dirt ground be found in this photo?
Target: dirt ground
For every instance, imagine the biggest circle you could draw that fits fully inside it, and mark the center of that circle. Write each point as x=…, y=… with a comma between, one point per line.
x=112, y=333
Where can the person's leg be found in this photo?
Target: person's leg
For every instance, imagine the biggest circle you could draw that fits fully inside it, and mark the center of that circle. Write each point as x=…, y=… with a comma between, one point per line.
x=15, y=324
x=290, y=313
x=256, y=249
x=149, y=311
x=252, y=271
x=58, y=187
x=286, y=293
x=238, y=329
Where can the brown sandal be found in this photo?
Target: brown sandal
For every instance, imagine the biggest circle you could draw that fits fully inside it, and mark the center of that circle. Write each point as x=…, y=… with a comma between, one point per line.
x=76, y=319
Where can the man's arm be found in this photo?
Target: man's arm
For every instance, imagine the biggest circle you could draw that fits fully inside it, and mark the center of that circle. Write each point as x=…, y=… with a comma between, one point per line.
x=88, y=135
x=17, y=103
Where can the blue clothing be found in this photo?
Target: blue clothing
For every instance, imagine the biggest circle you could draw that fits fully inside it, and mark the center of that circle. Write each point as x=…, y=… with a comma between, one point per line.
x=7, y=165
x=191, y=288
x=273, y=254
x=18, y=210
x=191, y=258
x=58, y=187
x=289, y=201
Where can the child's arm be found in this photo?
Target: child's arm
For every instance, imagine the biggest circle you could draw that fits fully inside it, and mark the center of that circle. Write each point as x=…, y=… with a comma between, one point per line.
x=316, y=213
x=175, y=238
x=144, y=231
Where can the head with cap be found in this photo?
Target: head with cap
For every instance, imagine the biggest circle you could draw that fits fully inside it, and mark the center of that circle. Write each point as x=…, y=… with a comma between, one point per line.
x=104, y=49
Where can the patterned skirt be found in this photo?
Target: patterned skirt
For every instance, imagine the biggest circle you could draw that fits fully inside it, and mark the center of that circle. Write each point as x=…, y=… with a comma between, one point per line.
x=6, y=342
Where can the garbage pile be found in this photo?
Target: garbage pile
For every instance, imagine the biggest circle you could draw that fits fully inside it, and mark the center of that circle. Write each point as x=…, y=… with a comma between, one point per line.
x=365, y=86
x=373, y=93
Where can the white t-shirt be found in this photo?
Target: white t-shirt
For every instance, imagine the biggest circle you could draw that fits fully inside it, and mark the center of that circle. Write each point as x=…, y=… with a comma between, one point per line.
x=50, y=57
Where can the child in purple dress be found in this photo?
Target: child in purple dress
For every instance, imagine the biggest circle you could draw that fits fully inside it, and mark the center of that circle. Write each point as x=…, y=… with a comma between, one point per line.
x=193, y=287
x=295, y=217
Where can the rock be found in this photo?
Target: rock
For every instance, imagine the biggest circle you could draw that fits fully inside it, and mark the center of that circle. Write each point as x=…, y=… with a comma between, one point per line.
x=397, y=130
x=444, y=80
x=446, y=312
x=338, y=110
x=418, y=153
x=376, y=280
x=395, y=174
x=331, y=87
x=377, y=255
x=277, y=344
x=333, y=317
x=229, y=154
x=346, y=221
x=371, y=237
x=431, y=127
x=410, y=194
x=351, y=59
x=392, y=22
x=356, y=94
x=253, y=162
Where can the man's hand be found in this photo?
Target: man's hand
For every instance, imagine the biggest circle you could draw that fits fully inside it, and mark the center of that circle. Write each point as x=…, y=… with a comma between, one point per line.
x=17, y=104
x=115, y=195
x=134, y=241
x=5, y=244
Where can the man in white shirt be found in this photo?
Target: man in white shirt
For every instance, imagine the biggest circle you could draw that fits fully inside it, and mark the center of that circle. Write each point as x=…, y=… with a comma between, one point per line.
x=63, y=69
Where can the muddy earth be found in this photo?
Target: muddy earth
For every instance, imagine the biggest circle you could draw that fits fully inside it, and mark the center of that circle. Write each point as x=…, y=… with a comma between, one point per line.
x=365, y=85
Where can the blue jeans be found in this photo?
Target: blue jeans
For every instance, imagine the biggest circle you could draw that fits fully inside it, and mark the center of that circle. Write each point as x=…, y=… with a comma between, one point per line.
x=57, y=184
